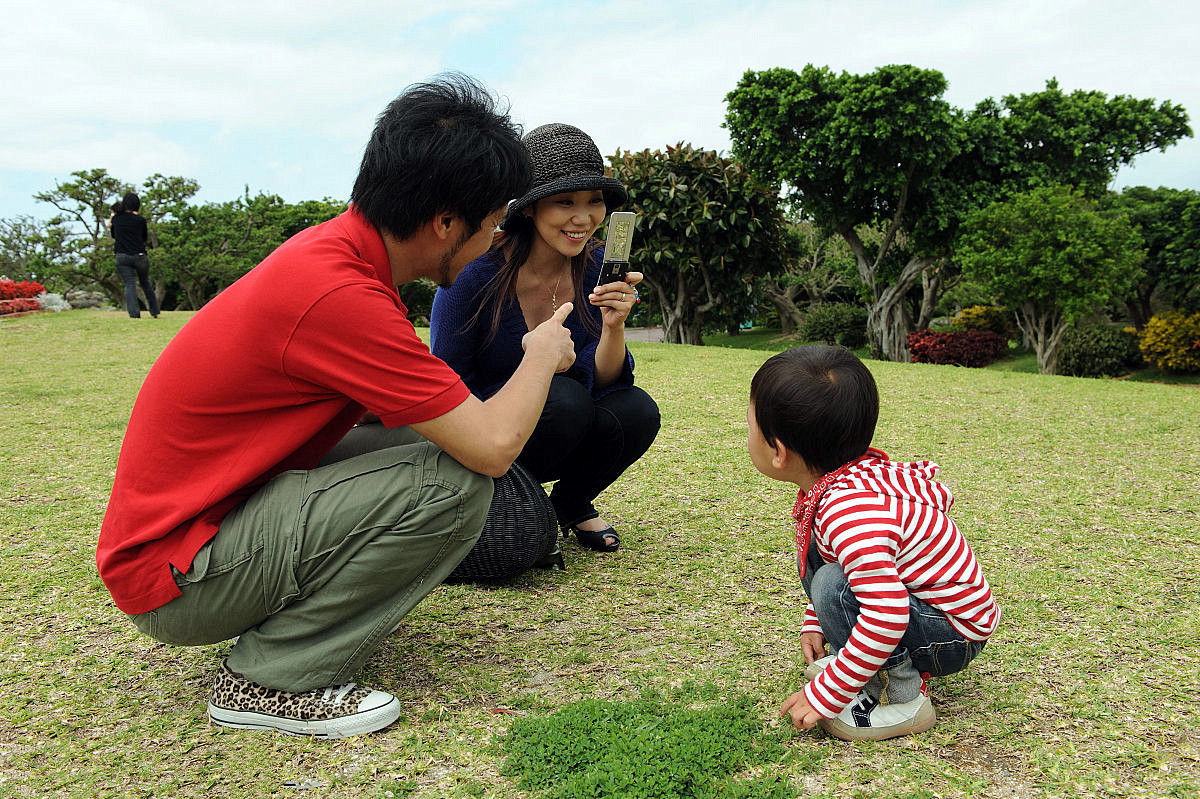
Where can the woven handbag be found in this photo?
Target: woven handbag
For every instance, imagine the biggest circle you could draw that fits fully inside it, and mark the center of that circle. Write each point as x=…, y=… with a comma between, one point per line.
x=521, y=531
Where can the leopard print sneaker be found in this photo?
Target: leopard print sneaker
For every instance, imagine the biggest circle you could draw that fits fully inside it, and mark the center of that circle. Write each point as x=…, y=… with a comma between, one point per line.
x=335, y=712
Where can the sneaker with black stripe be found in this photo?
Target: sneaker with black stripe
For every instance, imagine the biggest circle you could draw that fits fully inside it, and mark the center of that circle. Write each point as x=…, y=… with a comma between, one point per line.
x=335, y=712
x=865, y=719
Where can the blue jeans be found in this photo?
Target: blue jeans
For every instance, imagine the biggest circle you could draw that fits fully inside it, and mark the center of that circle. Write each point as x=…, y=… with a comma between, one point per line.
x=134, y=271
x=930, y=644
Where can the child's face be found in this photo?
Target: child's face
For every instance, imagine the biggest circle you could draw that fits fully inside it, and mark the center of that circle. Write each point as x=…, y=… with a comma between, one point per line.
x=761, y=453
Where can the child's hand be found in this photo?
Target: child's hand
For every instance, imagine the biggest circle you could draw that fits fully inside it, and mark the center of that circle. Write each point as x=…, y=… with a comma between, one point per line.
x=803, y=716
x=813, y=646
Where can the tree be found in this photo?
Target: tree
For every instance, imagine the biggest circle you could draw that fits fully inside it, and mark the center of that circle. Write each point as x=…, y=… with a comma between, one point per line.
x=885, y=150
x=816, y=267
x=708, y=228
x=30, y=249
x=84, y=208
x=1052, y=257
x=1169, y=222
x=204, y=248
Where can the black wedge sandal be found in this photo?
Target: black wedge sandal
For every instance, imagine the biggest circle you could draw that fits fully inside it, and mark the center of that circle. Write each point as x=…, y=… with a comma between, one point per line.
x=605, y=540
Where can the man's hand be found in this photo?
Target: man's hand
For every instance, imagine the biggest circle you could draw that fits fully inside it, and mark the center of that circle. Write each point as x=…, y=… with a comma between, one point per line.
x=802, y=714
x=550, y=336
x=813, y=646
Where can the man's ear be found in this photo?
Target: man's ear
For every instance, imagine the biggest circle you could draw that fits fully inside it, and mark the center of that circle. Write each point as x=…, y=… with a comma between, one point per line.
x=442, y=225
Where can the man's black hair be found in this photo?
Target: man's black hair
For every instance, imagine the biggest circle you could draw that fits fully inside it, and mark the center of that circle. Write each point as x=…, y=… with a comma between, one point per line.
x=130, y=202
x=820, y=402
x=442, y=147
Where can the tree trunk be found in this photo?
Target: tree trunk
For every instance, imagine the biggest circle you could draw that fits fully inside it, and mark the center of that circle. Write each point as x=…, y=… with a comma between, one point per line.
x=1045, y=332
x=1139, y=309
x=888, y=319
x=932, y=280
x=785, y=304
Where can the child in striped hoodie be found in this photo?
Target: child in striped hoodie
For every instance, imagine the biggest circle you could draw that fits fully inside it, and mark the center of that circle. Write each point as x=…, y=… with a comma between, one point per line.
x=893, y=587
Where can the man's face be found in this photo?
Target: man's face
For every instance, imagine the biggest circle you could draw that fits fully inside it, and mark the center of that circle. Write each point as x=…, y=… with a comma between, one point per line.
x=468, y=247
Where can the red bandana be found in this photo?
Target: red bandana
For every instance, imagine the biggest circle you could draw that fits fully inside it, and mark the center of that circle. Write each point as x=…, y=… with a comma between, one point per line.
x=806, y=504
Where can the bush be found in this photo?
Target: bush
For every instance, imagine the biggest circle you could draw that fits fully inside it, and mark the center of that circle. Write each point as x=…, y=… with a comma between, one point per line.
x=835, y=323
x=18, y=305
x=417, y=297
x=53, y=302
x=983, y=317
x=962, y=348
x=1171, y=342
x=26, y=289
x=1098, y=351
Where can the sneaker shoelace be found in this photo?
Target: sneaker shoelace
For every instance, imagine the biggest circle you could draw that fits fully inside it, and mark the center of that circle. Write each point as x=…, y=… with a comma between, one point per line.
x=337, y=692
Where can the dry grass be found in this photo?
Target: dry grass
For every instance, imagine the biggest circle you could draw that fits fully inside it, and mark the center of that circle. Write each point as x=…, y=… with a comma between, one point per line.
x=1079, y=497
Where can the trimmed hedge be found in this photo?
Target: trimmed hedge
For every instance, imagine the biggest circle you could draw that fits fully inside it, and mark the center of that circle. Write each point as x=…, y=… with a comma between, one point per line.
x=835, y=323
x=960, y=348
x=983, y=317
x=1098, y=351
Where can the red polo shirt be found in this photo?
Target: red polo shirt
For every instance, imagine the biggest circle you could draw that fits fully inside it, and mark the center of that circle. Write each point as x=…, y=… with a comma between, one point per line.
x=267, y=377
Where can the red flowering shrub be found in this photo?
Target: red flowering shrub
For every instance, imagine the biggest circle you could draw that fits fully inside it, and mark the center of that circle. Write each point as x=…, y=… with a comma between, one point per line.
x=18, y=305
x=960, y=348
x=10, y=290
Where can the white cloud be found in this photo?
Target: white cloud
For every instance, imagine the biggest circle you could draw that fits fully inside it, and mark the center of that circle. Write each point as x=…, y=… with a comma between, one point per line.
x=180, y=88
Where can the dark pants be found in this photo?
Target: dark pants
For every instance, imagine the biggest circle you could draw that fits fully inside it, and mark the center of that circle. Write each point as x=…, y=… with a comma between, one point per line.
x=585, y=444
x=930, y=644
x=134, y=271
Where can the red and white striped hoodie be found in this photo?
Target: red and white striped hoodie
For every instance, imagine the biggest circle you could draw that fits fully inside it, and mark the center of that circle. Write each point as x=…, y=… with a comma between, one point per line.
x=886, y=523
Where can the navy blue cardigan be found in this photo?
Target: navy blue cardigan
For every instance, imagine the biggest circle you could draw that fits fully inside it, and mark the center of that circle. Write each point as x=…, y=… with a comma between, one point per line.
x=486, y=367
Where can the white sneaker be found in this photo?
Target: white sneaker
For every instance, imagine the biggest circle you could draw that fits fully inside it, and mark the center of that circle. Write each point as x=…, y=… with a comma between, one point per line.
x=864, y=719
x=818, y=666
x=335, y=712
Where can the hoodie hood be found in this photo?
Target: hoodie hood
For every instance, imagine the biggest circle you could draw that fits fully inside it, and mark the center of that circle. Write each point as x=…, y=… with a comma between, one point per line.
x=874, y=471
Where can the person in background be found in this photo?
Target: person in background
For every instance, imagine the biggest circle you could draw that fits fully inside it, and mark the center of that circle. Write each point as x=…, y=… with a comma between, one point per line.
x=130, y=235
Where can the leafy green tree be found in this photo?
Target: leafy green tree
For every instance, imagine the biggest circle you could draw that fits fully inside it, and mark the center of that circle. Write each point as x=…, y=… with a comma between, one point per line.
x=707, y=228
x=1051, y=256
x=817, y=267
x=83, y=204
x=1169, y=222
x=885, y=150
x=30, y=249
x=204, y=248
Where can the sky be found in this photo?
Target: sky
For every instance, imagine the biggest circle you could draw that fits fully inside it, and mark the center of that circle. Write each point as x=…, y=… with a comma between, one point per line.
x=280, y=97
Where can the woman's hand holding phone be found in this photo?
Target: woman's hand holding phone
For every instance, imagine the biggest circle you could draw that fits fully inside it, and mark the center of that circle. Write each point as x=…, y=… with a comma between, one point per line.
x=616, y=299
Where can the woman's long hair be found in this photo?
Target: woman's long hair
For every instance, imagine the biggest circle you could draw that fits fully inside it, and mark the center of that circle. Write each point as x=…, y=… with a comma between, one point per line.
x=510, y=250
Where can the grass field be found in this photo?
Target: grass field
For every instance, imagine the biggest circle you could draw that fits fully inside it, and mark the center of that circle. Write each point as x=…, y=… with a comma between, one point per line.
x=1079, y=496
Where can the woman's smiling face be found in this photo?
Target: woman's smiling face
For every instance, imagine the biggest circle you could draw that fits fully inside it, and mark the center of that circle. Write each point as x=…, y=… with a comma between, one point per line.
x=566, y=221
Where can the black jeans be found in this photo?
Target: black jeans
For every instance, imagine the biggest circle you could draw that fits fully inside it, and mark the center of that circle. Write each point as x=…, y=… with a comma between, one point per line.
x=135, y=270
x=585, y=444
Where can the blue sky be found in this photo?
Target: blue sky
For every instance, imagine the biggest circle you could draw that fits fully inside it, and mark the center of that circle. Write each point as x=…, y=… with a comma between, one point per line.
x=281, y=96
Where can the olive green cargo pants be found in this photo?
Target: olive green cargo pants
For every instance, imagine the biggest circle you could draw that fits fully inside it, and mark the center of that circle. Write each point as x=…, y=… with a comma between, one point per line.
x=317, y=567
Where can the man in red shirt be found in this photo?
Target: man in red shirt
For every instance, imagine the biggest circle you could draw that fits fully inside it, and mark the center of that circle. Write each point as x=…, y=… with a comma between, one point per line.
x=231, y=517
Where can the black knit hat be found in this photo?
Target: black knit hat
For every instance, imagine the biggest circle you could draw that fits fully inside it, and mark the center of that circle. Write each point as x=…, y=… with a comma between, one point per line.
x=565, y=159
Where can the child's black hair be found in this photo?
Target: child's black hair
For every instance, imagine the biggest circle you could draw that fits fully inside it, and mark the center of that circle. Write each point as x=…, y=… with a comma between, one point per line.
x=820, y=402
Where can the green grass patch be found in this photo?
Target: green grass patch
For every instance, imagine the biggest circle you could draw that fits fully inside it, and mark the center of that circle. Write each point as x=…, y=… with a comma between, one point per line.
x=650, y=746
x=758, y=338
x=1078, y=496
